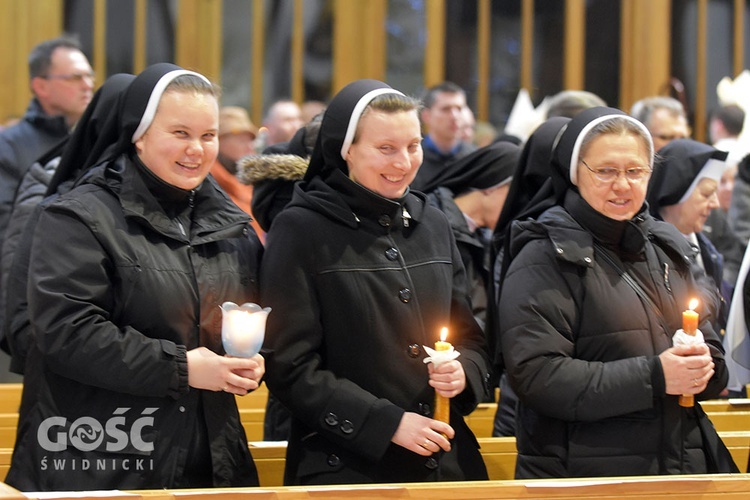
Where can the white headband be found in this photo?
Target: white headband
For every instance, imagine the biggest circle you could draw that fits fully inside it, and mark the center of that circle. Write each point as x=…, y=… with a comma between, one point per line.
x=357, y=113
x=153, y=100
x=713, y=169
x=594, y=123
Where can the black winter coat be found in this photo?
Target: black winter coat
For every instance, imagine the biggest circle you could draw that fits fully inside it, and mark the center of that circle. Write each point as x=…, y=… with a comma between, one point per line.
x=581, y=349
x=117, y=294
x=20, y=146
x=358, y=284
x=474, y=251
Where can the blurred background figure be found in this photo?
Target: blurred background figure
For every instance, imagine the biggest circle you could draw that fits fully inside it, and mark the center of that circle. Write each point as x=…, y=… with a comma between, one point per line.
x=282, y=120
x=236, y=139
x=665, y=117
x=442, y=117
x=485, y=134
x=467, y=125
x=569, y=103
x=62, y=84
x=310, y=109
x=724, y=128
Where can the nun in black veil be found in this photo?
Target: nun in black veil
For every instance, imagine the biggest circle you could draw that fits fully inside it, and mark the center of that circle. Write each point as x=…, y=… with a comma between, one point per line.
x=535, y=186
x=591, y=299
x=471, y=192
x=361, y=274
x=60, y=166
x=127, y=385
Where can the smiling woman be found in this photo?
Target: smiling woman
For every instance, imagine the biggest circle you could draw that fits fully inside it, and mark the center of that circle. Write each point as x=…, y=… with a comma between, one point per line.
x=592, y=294
x=375, y=243
x=683, y=192
x=130, y=268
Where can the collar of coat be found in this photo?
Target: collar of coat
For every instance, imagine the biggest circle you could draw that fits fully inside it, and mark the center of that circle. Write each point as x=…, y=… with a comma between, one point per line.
x=214, y=215
x=349, y=203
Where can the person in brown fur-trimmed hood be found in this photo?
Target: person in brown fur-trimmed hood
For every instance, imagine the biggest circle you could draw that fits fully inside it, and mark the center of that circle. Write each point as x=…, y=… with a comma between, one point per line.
x=274, y=173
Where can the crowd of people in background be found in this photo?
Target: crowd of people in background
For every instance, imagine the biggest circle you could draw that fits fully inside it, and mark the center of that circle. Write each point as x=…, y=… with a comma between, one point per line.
x=560, y=261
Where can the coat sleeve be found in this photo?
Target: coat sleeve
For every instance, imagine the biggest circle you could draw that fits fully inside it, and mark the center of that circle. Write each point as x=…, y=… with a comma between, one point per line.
x=474, y=349
x=538, y=318
x=70, y=300
x=295, y=368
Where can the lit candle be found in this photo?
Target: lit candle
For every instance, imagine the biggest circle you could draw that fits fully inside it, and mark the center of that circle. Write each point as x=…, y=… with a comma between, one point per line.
x=689, y=326
x=690, y=318
x=442, y=404
x=243, y=328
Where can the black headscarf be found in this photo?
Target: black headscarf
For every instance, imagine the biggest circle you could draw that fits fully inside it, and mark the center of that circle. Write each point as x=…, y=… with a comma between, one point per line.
x=94, y=131
x=532, y=190
x=339, y=124
x=566, y=153
x=481, y=169
x=681, y=164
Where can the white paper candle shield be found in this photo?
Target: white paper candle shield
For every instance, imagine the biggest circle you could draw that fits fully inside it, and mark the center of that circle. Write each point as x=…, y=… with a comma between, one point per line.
x=243, y=328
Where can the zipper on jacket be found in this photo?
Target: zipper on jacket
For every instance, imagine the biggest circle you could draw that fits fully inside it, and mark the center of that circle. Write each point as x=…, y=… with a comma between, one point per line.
x=666, y=278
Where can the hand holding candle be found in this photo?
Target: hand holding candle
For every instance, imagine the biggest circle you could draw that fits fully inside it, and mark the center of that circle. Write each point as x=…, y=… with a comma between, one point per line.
x=690, y=328
x=442, y=404
x=442, y=353
x=243, y=328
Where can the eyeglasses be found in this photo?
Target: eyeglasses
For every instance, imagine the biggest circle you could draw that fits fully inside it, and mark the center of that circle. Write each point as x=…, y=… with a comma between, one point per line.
x=610, y=174
x=72, y=77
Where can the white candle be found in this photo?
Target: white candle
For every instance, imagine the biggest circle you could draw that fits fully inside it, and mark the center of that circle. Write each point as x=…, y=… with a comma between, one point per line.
x=243, y=328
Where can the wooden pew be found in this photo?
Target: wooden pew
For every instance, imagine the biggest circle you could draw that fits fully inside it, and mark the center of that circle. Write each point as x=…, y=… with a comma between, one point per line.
x=725, y=421
x=703, y=487
x=10, y=397
x=499, y=456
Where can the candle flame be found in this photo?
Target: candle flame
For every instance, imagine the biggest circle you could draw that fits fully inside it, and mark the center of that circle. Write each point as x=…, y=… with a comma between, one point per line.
x=443, y=334
x=693, y=304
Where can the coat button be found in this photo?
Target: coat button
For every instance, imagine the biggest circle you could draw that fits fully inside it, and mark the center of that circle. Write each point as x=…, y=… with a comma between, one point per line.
x=391, y=254
x=425, y=409
x=413, y=350
x=384, y=220
x=334, y=460
x=405, y=295
x=332, y=419
x=431, y=463
x=347, y=427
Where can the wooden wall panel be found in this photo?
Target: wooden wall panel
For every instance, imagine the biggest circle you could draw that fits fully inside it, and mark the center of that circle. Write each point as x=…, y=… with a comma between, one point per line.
x=23, y=24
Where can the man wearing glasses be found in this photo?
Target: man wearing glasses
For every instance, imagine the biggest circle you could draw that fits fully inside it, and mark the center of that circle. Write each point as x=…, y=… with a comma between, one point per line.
x=62, y=84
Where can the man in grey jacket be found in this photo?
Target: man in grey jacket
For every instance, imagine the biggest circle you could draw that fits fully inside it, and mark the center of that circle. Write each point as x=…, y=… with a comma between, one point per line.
x=62, y=83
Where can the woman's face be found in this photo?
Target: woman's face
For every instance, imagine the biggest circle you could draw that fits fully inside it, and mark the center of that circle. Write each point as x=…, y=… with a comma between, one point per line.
x=181, y=144
x=690, y=215
x=620, y=199
x=387, y=152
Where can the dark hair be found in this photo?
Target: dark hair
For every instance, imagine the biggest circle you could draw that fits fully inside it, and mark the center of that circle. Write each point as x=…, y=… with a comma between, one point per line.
x=732, y=116
x=429, y=98
x=40, y=57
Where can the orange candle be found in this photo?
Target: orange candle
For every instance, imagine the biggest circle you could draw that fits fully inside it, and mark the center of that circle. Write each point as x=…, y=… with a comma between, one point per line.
x=442, y=404
x=689, y=326
x=690, y=318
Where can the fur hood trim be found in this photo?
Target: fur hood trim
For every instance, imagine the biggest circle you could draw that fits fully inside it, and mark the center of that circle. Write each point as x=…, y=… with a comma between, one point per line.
x=256, y=168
